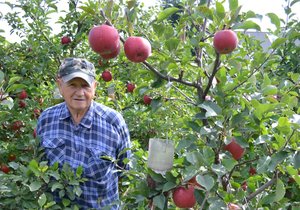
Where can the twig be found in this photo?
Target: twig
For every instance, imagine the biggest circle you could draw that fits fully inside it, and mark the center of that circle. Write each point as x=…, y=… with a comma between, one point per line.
x=261, y=189
x=215, y=70
x=204, y=200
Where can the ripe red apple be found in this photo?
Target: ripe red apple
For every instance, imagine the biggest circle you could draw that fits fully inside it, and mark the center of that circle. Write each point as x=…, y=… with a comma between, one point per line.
x=5, y=168
x=225, y=41
x=147, y=100
x=17, y=125
x=65, y=40
x=244, y=185
x=130, y=87
x=12, y=157
x=137, y=49
x=235, y=149
x=22, y=104
x=252, y=171
x=36, y=113
x=232, y=206
x=23, y=95
x=184, y=197
x=105, y=40
x=106, y=75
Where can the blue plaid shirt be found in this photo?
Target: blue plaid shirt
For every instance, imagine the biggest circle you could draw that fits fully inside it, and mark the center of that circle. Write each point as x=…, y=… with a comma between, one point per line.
x=102, y=132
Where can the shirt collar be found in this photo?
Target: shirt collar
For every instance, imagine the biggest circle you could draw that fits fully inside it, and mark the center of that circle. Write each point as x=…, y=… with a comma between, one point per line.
x=86, y=120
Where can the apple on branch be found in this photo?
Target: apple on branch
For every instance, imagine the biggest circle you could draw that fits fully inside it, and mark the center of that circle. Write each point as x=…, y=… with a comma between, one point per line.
x=184, y=197
x=147, y=100
x=137, y=49
x=105, y=40
x=225, y=41
x=235, y=149
x=130, y=87
x=65, y=40
x=106, y=75
x=23, y=95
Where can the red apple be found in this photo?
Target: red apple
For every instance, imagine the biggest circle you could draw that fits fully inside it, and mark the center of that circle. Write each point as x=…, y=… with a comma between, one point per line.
x=105, y=40
x=111, y=55
x=65, y=40
x=5, y=168
x=184, y=197
x=12, y=157
x=17, y=125
x=22, y=104
x=225, y=41
x=147, y=100
x=106, y=76
x=23, y=95
x=235, y=149
x=130, y=87
x=137, y=49
x=232, y=206
x=252, y=171
x=244, y=185
x=36, y=113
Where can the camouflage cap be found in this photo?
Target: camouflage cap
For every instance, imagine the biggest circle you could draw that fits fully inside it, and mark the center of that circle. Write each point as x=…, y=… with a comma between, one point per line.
x=77, y=67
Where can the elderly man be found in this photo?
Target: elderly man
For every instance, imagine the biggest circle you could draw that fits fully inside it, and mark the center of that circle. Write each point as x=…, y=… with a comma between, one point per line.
x=80, y=131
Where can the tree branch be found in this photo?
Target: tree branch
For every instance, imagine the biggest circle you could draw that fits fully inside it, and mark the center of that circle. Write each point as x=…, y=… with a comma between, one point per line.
x=262, y=188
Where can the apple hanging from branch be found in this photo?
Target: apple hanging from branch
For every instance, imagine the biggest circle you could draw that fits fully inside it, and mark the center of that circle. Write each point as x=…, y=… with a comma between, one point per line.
x=137, y=49
x=105, y=40
x=184, y=197
x=225, y=41
x=235, y=149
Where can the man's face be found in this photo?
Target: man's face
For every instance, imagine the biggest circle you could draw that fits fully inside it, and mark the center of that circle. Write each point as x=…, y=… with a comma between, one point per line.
x=77, y=94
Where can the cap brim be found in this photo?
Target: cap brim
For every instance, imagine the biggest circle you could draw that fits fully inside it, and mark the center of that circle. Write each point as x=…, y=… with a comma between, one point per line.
x=87, y=78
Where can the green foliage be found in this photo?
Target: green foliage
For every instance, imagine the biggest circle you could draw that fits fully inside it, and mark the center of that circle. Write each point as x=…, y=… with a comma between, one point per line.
x=201, y=100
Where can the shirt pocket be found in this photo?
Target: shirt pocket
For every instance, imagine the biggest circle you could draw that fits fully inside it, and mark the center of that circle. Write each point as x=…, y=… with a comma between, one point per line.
x=55, y=150
x=100, y=165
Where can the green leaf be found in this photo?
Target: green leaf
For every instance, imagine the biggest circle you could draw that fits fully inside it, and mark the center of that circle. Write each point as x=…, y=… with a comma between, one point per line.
x=1, y=76
x=233, y=4
x=297, y=160
x=263, y=163
x=15, y=87
x=56, y=185
x=274, y=19
x=168, y=186
x=276, y=159
x=79, y=171
x=229, y=163
x=262, y=139
x=206, y=181
x=205, y=12
x=42, y=200
x=166, y=13
x=220, y=10
x=208, y=156
x=159, y=201
x=246, y=25
x=279, y=41
x=280, y=191
x=172, y=44
x=269, y=90
x=212, y=109
x=34, y=186
x=284, y=125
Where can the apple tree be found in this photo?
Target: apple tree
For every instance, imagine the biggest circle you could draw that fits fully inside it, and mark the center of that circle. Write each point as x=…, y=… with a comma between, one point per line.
x=229, y=105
